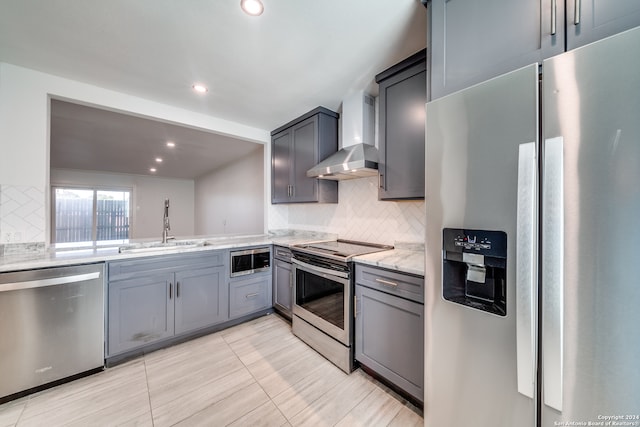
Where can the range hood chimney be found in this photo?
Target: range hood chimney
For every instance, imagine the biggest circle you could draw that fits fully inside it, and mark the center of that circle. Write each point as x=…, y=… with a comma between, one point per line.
x=358, y=157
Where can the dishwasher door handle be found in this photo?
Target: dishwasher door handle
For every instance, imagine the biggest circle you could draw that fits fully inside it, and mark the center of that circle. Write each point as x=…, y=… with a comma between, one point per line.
x=32, y=284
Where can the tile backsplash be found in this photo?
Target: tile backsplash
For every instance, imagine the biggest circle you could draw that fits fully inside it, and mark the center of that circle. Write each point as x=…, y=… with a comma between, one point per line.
x=358, y=215
x=22, y=215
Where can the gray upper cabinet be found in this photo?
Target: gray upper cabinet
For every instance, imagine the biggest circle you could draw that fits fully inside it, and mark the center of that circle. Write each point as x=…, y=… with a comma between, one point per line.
x=588, y=21
x=403, y=93
x=295, y=148
x=472, y=41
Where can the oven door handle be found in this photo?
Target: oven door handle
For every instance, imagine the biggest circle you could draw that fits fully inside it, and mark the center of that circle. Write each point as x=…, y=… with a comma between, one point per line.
x=315, y=268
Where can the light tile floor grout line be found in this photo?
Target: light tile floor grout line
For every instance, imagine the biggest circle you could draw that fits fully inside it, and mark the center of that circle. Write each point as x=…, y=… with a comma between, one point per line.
x=257, y=382
x=146, y=378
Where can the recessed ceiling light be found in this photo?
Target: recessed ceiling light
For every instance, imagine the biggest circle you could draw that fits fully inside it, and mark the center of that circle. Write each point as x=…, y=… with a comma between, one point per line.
x=152, y=170
x=158, y=160
x=252, y=7
x=171, y=144
x=200, y=88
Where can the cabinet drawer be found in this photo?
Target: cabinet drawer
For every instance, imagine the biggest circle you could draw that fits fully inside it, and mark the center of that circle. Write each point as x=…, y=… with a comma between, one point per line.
x=248, y=296
x=130, y=268
x=282, y=252
x=392, y=282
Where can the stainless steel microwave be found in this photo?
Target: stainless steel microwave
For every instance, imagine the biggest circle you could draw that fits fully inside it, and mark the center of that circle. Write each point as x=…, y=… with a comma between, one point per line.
x=250, y=261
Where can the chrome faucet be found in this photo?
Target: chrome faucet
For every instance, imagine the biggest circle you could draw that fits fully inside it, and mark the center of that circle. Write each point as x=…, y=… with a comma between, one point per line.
x=167, y=226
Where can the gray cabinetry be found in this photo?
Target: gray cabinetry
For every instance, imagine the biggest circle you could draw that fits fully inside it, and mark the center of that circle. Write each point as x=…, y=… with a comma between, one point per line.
x=389, y=334
x=140, y=312
x=153, y=299
x=282, y=280
x=403, y=93
x=249, y=295
x=588, y=21
x=200, y=298
x=295, y=148
x=472, y=41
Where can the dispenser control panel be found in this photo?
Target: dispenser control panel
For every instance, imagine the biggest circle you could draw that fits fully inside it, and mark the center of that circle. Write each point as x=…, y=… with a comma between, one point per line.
x=483, y=242
x=472, y=242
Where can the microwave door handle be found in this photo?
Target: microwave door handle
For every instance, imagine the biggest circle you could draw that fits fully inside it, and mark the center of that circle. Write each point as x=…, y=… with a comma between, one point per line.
x=526, y=270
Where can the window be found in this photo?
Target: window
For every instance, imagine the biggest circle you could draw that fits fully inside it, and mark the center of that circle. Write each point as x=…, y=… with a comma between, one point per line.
x=90, y=217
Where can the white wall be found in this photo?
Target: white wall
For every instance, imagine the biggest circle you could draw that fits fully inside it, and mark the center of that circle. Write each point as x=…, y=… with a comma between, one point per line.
x=147, y=201
x=24, y=137
x=358, y=215
x=230, y=200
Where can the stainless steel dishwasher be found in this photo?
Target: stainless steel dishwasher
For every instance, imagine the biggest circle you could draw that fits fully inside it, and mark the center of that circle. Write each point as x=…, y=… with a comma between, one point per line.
x=51, y=326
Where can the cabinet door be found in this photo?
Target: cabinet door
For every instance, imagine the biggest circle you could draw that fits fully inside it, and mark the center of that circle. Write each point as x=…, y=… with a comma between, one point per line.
x=280, y=167
x=390, y=338
x=472, y=41
x=588, y=21
x=305, y=156
x=249, y=295
x=200, y=298
x=402, y=117
x=140, y=311
x=282, y=286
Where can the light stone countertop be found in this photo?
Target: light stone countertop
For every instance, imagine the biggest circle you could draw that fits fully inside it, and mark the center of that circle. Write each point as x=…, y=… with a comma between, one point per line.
x=407, y=259
x=58, y=258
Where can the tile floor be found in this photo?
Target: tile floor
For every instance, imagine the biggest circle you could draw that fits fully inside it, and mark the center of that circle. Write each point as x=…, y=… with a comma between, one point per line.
x=254, y=374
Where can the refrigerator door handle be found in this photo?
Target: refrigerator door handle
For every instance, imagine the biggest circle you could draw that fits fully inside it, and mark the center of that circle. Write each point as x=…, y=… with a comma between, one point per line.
x=526, y=269
x=553, y=273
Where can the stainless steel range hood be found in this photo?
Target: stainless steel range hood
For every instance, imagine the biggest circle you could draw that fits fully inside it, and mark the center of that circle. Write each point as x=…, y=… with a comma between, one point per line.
x=358, y=157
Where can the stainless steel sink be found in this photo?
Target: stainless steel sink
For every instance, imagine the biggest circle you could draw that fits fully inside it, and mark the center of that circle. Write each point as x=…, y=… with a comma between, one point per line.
x=159, y=246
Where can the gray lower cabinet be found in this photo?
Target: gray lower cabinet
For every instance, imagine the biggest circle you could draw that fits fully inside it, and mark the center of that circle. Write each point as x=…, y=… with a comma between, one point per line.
x=140, y=312
x=249, y=295
x=403, y=93
x=389, y=329
x=471, y=41
x=282, y=281
x=200, y=298
x=153, y=299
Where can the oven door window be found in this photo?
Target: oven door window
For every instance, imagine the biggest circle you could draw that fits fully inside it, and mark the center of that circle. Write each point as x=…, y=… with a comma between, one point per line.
x=321, y=296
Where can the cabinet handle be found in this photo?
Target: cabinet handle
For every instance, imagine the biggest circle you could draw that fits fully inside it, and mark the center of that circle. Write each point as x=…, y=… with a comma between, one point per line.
x=355, y=306
x=554, y=6
x=170, y=290
x=387, y=283
x=577, y=12
x=177, y=289
x=293, y=191
x=288, y=191
x=255, y=294
x=380, y=181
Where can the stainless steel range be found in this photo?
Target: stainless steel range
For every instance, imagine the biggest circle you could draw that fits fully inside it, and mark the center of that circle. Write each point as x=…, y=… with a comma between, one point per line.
x=323, y=296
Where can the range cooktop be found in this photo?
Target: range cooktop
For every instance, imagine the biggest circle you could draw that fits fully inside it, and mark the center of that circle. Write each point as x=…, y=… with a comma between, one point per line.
x=342, y=250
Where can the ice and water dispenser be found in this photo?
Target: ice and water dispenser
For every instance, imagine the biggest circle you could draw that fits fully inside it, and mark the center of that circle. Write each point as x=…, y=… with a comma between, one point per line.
x=475, y=269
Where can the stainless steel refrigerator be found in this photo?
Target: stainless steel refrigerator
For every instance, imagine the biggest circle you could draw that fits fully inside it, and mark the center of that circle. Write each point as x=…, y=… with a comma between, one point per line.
x=533, y=245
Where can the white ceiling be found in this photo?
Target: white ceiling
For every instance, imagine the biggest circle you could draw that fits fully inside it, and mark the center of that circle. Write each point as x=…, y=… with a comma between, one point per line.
x=261, y=71
x=93, y=139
